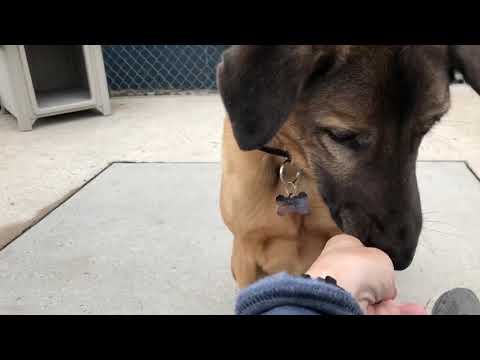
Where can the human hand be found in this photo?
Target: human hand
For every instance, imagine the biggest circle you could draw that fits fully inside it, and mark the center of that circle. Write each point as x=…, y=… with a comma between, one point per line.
x=367, y=274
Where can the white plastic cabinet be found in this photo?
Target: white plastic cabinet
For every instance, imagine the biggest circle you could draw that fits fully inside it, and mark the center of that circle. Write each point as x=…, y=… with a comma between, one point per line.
x=37, y=81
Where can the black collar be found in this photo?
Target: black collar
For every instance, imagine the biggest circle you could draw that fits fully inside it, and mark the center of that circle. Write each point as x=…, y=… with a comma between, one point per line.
x=277, y=152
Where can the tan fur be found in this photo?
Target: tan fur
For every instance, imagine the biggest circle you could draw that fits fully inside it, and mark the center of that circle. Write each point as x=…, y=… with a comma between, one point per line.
x=264, y=243
x=356, y=115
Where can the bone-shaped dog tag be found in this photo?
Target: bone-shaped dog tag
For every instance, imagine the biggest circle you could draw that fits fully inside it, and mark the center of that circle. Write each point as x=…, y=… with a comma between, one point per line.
x=293, y=205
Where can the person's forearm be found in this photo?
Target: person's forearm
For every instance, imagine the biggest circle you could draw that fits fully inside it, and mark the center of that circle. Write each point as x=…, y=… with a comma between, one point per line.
x=287, y=295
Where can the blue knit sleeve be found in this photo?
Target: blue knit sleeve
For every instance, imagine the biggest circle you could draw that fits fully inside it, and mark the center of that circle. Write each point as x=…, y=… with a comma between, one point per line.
x=288, y=295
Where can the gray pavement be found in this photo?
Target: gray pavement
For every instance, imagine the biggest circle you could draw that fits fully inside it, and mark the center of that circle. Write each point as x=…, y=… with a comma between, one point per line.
x=148, y=239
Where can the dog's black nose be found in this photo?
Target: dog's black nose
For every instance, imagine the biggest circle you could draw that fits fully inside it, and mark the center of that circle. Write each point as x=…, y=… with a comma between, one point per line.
x=400, y=239
x=402, y=257
x=402, y=263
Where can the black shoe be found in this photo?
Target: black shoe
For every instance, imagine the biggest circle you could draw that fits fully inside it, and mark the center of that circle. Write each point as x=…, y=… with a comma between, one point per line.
x=457, y=302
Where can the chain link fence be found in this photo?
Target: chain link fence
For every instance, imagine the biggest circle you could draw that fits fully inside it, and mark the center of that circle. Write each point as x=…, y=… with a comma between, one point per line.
x=161, y=69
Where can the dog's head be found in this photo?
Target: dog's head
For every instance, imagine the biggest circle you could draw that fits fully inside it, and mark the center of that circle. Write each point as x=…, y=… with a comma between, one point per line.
x=362, y=112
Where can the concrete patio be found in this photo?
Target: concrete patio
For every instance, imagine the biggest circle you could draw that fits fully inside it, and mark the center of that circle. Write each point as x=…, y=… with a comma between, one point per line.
x=128, y=243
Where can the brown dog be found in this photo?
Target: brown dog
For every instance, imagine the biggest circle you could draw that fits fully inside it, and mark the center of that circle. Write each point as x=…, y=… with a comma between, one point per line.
x=352, y=118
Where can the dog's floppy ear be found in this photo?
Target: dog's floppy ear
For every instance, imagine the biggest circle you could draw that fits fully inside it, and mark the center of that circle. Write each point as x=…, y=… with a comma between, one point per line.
x=466, y=59
x=260, y=85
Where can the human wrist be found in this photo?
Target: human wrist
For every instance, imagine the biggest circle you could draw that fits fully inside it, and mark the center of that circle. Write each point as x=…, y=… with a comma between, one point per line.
x=343, y=280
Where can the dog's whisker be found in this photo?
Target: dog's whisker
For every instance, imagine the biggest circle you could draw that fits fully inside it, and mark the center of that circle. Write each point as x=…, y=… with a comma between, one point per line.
x=441, y=232
x=449, y=229
x=436, y=222
x=428, y=214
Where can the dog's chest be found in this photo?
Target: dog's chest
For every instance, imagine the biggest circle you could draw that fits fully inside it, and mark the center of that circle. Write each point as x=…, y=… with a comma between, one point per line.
x=250, y=187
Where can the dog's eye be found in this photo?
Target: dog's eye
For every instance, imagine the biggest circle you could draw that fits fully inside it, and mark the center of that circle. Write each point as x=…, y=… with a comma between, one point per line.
x=342, y=136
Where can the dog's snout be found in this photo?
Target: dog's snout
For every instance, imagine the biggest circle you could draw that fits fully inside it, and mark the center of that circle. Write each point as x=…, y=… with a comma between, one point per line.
x=400, y=238
x=396, y=233
x=402, y=233
x=402, y=261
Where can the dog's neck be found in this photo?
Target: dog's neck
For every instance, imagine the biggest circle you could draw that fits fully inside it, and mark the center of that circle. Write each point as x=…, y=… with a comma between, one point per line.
x=261, y=169
x=288, y=140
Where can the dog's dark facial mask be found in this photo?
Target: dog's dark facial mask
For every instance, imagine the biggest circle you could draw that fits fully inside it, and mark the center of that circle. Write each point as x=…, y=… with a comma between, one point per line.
x=362, y=112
